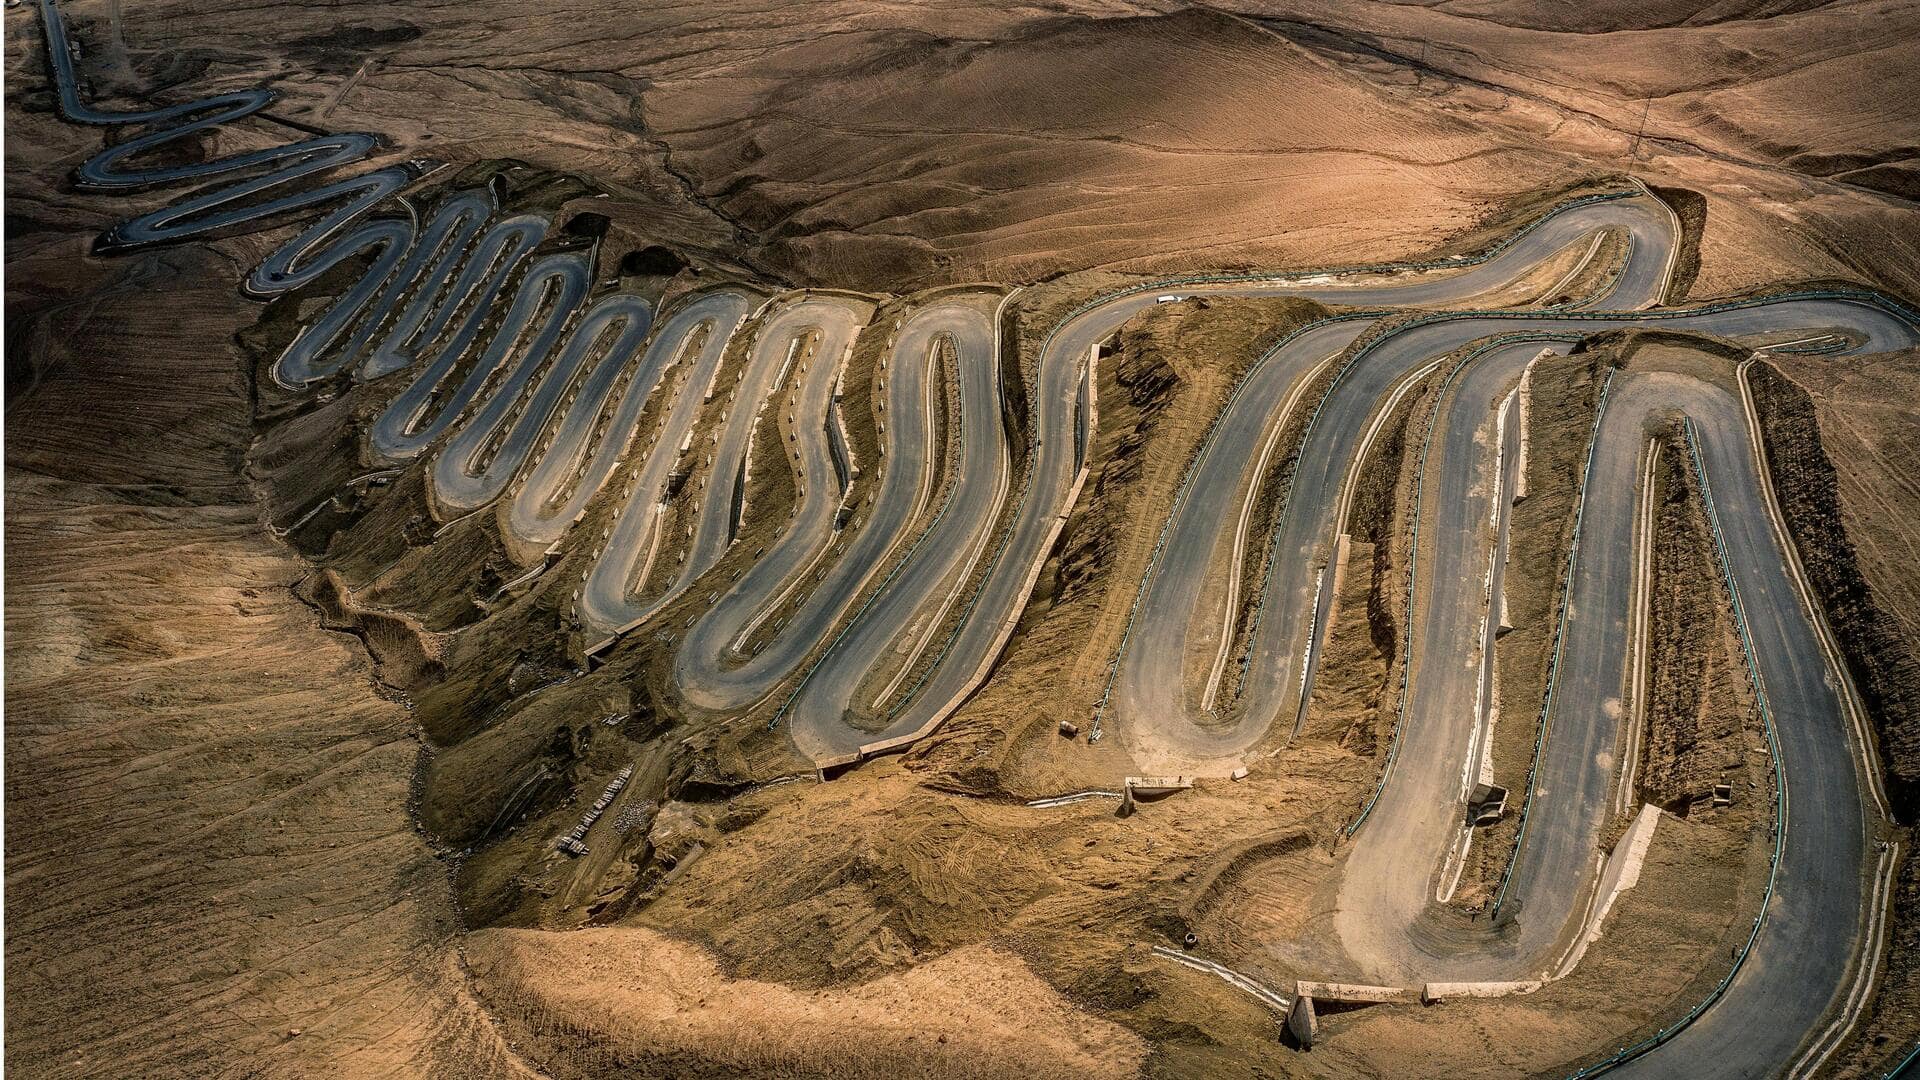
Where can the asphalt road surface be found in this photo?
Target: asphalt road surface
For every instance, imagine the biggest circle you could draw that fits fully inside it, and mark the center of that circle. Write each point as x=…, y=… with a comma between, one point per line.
x=589, y=441
x=796, y=340
x=832, y=713
x=871, y=622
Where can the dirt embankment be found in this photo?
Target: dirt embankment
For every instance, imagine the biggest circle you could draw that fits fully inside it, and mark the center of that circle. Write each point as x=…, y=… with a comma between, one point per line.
x=1691, y=208
x=620, y=1000
x=1841, y=440
x=1357, y=692
x=1699, y=723
x=1563, y=393
x=405, y=656
x=1840, y=463
x=1354, y=693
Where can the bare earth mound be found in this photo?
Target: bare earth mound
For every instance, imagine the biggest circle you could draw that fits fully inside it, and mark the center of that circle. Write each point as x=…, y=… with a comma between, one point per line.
x=661, y=1006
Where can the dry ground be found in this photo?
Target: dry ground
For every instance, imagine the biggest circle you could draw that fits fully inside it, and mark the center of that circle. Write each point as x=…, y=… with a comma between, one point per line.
x=887, y=145
x=1842, y=436
x=210, y=865
x=210, y=845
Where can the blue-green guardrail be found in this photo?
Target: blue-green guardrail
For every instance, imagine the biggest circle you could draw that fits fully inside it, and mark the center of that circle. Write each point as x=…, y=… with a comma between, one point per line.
x=1413, y=564
x=1905, y=1068
x=1189, y=476
x=1660, y=1037
x=1859, y=296
x=1157, y=284
x=1545, y=720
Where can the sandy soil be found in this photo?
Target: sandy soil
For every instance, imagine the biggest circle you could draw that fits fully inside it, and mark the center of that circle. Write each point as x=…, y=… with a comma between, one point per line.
x=1781, y=121
x=893, y=145
x=630, y=998
x=210, y=867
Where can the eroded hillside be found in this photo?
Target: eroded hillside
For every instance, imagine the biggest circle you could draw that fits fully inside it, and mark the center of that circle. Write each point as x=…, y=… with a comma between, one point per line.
x=720, y=530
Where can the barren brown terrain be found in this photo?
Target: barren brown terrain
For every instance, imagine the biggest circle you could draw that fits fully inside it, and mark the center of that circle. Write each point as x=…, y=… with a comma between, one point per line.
x=290, y=744
x=1845, y=503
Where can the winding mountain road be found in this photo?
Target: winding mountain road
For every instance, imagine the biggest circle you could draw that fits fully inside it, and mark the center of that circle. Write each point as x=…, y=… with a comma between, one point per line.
x=864, y=622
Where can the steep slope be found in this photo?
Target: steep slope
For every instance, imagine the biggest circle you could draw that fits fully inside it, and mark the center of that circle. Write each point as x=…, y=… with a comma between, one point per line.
x=210, y=866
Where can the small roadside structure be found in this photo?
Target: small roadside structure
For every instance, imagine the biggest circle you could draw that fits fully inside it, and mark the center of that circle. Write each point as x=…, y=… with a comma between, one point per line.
x=1487, y=804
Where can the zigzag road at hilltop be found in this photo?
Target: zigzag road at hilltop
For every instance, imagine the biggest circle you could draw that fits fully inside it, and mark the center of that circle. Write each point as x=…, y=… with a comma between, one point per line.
x=862, y=623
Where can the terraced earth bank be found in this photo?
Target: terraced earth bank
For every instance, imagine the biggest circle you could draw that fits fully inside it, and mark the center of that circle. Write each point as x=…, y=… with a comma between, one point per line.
x=957, y=542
